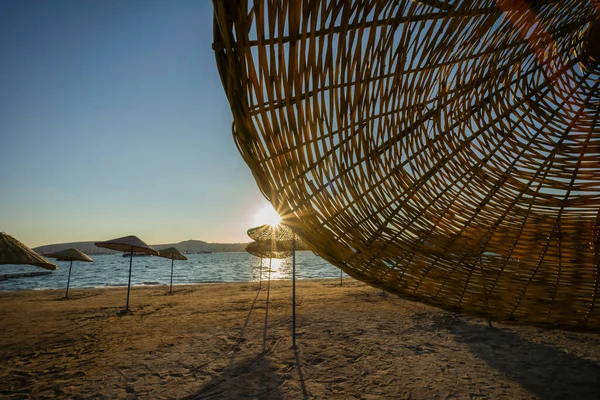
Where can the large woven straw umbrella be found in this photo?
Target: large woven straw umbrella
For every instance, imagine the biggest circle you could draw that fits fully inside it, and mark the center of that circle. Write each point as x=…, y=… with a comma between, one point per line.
x=70, y=255
x=173, y=254
x=129, y=244
x=13, y=251
x=445, y=151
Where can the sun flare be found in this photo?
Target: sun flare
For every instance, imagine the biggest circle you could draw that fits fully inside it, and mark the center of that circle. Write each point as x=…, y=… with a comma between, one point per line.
x=267, y=215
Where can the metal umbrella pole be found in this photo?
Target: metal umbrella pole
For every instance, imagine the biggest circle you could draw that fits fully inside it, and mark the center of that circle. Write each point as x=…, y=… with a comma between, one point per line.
x=267, y=307
x=341, y=278
x=69, y=280
x=171, y=290
x=129, y=282
x=260, y=274
x=293, y=290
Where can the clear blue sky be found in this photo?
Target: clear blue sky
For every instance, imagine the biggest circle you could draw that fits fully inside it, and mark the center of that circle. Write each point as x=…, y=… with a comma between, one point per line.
x=113, y=121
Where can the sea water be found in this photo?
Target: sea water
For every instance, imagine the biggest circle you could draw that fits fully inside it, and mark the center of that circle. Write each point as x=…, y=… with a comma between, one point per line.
x=113, y=270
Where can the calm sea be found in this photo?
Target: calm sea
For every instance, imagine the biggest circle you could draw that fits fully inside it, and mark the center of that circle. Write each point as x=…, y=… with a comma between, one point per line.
x=113, y=270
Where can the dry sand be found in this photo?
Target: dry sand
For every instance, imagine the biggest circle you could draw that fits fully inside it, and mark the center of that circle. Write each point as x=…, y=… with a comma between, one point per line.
x=210, y=342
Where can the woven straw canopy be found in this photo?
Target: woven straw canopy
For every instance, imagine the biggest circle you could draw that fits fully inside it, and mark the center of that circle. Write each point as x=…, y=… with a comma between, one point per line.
x=171, y=253
x=128, y=244
x=14, y=252
x=281, y=235
x=444, y=150
x=270, y=249
x=70, y=255
x=268, y=232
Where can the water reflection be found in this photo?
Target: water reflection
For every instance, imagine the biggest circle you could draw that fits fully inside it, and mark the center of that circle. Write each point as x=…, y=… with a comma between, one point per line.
x=280, y=269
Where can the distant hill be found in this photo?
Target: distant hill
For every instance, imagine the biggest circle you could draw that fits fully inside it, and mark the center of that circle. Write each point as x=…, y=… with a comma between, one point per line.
x=187, y=246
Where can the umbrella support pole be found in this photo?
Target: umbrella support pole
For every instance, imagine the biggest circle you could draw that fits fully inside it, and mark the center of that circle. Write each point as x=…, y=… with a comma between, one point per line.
x=341, y=278
x=69, y=280
x=172, y=261
x=260, y=274
x=267, y=308
x=129, y=282
x=294, y=291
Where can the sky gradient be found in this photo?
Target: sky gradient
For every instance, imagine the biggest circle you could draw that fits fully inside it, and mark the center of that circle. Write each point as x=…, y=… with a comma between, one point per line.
x=113, y=121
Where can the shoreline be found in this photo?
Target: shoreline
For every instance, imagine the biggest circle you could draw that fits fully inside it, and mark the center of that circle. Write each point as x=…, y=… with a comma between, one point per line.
x=157, y=285
x=222, y=341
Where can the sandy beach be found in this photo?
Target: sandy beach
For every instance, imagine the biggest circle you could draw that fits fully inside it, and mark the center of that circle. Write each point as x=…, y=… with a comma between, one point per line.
x=216, y=341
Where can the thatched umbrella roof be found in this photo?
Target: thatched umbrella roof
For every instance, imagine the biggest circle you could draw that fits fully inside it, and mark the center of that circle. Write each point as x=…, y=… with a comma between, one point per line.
x=270, y=249
x=70, y=255
x=171, y=253
x=14, y=252
x=268, y=232
x=127, y=244
x=279, y=233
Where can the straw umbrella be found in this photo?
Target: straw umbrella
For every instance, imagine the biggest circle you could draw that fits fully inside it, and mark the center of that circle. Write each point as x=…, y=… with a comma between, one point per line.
x=270, y=249
x=270, y=242
x=268, y=232
x=263, y=233
x=173, y=254
x=278, y=242
x=14, y=252
x=472, y=185
x=128, y=244
x=70, y=255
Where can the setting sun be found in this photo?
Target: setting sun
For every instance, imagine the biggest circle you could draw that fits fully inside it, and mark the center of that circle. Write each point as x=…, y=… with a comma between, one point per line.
x=267, y=215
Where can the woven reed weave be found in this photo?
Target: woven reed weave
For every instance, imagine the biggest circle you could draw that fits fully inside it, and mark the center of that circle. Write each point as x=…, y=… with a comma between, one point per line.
x=270, y=249
x=268, y=232
x=444, y=150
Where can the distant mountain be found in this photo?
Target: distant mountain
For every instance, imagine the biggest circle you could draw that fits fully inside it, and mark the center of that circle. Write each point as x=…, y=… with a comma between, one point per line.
x=198, y=246
x=187, y=246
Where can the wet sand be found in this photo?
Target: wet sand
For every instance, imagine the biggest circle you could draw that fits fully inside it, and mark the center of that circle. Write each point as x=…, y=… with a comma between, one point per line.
x=216, y=341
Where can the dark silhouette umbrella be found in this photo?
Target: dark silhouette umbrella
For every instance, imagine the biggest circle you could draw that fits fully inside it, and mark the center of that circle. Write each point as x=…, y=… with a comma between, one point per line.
x=70, y=255
x=173, y=254
x=128, y=244
x=14, y=252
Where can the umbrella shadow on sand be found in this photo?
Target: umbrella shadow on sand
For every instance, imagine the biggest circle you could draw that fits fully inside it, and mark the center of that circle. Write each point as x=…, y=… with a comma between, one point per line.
x=250, y=377
x=247, y=376
x=257, y=377
x=541, y=369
